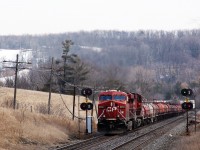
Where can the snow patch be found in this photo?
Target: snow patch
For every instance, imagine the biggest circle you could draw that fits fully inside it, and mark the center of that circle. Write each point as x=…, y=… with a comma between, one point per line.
x=96, y=49
x=10, y=54
x=25, y=55
x=20, y=74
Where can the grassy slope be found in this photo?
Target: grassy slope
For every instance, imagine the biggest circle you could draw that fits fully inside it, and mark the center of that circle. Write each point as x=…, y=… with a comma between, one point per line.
x=21, y=128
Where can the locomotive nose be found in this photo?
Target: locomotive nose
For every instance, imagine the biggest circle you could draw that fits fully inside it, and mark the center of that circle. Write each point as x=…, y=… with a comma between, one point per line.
x=113, y=104
x=112, y=110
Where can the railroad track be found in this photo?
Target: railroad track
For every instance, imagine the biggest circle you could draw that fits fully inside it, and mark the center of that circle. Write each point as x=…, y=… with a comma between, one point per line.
x=142, y=140
x=86, y=144
x=131, y=140
x=137, y=139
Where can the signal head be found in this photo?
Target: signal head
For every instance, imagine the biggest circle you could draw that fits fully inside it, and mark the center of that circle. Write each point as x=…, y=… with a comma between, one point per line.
x=186, y=92
x=83, y=106
x=86, y=92
x=187, y=105
x=86, y=106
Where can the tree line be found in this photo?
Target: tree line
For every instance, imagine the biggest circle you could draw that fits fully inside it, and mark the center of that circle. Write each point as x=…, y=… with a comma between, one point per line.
x=154, y=63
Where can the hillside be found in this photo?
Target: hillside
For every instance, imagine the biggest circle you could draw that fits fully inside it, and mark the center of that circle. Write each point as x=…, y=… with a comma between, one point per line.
x=144, y=48
x=29, y=127
x=153, y=63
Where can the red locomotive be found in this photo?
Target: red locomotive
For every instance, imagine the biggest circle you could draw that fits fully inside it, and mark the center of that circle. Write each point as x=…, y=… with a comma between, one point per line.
x=119, y=111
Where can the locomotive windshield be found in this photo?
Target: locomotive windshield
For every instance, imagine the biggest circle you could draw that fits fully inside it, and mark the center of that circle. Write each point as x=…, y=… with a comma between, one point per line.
x=119, y=97
x=110, y=97
x=105, y=97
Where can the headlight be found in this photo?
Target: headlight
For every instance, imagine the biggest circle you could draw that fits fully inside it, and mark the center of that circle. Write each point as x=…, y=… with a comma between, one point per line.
x=101, y=107
x=121, y=106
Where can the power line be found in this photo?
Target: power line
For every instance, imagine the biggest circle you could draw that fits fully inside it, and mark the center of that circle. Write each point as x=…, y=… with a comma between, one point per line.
x=68, y=108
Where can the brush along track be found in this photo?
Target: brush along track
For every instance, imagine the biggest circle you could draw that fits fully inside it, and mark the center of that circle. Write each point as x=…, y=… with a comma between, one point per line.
x=131, y=140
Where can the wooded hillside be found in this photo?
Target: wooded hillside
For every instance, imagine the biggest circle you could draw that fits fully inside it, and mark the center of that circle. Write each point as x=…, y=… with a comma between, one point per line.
x=155, y=63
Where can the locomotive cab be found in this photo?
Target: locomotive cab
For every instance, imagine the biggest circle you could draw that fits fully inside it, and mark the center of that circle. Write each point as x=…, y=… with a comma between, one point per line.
x=112, y=111
x=112, y=105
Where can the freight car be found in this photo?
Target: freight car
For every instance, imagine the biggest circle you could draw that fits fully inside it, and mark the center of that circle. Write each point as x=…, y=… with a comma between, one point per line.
x=119, y=111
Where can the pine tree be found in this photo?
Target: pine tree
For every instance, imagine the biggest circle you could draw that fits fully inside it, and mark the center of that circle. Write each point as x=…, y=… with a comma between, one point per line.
x=73, y=71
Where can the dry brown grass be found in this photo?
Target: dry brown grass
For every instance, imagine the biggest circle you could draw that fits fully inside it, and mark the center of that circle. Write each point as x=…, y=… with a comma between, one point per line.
x=37, y=101
x=26, y=129
x=188, y=142
x=191, y=141
x=18, y=128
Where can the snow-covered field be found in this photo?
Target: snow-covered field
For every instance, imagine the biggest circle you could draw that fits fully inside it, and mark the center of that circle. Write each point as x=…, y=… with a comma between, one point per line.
x=25, y=55
x=96, y=49
x=10, y=54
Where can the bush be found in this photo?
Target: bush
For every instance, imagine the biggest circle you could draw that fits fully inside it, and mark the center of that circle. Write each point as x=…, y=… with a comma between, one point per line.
x=7, y=102
x=41, y=108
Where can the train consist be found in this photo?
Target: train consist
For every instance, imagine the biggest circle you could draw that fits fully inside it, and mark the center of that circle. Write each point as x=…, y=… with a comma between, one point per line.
x=119, y=111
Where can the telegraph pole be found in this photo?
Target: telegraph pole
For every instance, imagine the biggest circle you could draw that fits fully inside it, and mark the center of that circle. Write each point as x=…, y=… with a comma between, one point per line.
x=74, y=97
x=50, y=84
x=16, y=73
x=15, y=87
x=49, y=100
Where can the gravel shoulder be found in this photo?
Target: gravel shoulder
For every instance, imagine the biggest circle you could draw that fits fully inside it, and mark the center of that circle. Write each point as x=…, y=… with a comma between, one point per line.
x=174, y=139
x=165, y=142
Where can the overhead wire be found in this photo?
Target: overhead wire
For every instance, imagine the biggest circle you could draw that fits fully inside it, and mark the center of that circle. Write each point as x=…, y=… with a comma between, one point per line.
x=68, y=108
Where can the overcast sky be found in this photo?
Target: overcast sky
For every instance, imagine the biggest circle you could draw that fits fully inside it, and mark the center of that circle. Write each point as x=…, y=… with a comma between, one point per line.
x=56, y=16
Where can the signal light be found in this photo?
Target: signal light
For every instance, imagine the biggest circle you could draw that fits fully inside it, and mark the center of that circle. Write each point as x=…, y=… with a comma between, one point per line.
x=186, y=92
x=121, y=106
x=86, y=92
x=86, y=106
x=89, y=106
x=83, y=106
x=187, y=105
x=190, y=92
x=101, y=107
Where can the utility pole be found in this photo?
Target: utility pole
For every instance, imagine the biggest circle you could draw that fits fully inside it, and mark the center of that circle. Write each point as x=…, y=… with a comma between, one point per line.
x=74, y=98
x=16, y=73
x=195, y=112
x=49, y=101
x=79, y=121
x=50, y=84
x=15, y=87
x=195, y=128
